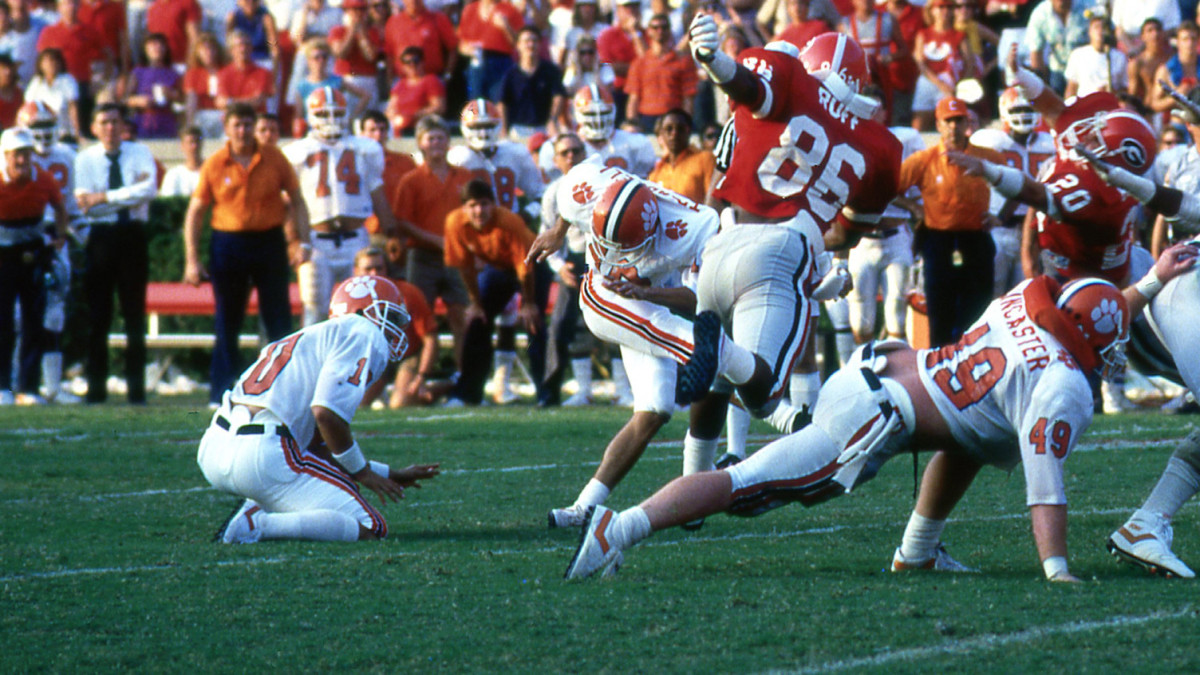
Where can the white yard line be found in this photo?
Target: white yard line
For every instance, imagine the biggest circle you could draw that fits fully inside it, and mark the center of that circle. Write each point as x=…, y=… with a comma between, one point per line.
x=994, y=641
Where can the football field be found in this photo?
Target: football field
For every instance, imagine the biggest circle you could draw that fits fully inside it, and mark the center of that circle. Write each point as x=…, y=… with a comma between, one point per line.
x=106, y=562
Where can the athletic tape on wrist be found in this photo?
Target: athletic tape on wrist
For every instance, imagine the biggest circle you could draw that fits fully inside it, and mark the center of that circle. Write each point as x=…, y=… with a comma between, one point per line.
x=380, y=469
x=1008, y=181
x=1054, y=566
x=352, y=459
x=1150, y=284
x=720, y=67
x=1031, y=85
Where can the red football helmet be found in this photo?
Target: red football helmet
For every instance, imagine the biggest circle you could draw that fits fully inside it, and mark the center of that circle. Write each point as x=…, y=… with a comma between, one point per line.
x=480, y=124
x=595, y=113
x=1120, y=137
x=327, y=113
x=379, y=301
x=624, y=219
x=42, y=124
x=1017, y=113
x=841, y=65
x=1100, y=311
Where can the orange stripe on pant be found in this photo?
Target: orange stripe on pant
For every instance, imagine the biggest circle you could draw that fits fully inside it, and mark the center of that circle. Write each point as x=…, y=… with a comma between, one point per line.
x=327, y=472
x=680, y=350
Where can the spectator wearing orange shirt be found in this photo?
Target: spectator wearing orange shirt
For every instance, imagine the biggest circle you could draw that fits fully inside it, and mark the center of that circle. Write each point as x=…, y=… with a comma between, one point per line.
x=243, y=81
x=415, y=94
x=684, y=168
x=487, y=244
x=355, y=45
x=411, y=386
x=487, y=35
x=660, y=79
x=956, y=224
x=421, y=202
x=243, y=186
x=429, y=31
x=82, y=48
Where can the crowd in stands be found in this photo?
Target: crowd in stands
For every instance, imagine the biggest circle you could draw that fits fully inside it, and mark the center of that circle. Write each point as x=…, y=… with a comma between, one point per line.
x=531, y=71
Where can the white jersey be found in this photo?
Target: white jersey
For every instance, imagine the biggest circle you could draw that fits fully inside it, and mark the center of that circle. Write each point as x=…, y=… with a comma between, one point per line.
x=1028, y=158
x=329, y=364
x=684, y=227
x=337, y=178
x=911, y=141
x=509, y=168
x=629, y=151
x=1011, y=393
x=59, y=162
x=180, y=181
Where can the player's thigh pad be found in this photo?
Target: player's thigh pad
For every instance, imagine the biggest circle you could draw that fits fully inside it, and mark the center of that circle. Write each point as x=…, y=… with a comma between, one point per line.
x=1173, y=311
x=642, y=326
x=652, y=380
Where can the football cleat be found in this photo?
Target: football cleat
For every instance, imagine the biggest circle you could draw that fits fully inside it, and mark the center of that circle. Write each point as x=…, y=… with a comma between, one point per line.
x=242, y=525
x=595, y=553
x=727, y=460
x=942, y=562
x=1146, y=542
x=572, y=516
x=577, y=400
x=696, y=377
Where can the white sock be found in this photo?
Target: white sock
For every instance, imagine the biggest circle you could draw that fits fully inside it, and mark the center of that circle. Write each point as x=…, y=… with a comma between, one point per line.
x=582, y=369
x=629, y=527
x=737, y=427
x=1179, y=482
x=804, y=389
x=316, y=525
x=735, y=362
x=698, y=454
x=52, y=369
x=783, y=416
x=921, y=537
x=592, y=494
x=845, y=345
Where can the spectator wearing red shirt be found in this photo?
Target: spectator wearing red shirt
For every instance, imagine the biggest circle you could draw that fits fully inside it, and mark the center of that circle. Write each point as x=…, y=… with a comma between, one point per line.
x=487, y=34
x=179, y=22
x=11, y=96
x=416, y=93
x=200, y=86
x=431, y=32
x=108, y=19
x=903, y=71
x=660, y=79
x=242, y=81
x=355, y=45
x=801, y=28
x=82, y=48
x=619, y=45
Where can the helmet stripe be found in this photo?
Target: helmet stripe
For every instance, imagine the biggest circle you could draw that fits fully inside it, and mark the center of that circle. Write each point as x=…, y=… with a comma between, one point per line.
x=616, y=213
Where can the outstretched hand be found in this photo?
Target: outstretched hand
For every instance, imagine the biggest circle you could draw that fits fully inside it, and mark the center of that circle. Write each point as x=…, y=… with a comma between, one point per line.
x=409, y=475
x=386, y=488
x=1175, y=261
x=973, y=166
x=1102, y=168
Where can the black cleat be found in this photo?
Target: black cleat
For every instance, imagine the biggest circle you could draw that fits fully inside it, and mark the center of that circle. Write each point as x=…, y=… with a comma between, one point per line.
x=694, y=379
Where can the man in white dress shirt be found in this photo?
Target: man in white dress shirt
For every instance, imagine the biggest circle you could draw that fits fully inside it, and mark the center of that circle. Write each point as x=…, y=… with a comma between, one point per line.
x=114, y=183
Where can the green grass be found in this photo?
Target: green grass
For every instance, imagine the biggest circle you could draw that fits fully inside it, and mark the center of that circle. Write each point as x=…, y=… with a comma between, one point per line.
x=106, y=563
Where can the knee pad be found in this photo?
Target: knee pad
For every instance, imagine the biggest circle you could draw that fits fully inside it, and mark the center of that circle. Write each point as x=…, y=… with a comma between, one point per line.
x=1188, y=450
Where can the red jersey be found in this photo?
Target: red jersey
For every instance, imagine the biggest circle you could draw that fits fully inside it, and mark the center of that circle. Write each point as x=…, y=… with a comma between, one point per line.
x=1093, y=236
x=23, y=204
x=802, y=150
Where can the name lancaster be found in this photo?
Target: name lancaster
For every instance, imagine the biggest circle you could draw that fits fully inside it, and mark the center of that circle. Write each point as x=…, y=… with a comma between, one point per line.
x=1035, y=352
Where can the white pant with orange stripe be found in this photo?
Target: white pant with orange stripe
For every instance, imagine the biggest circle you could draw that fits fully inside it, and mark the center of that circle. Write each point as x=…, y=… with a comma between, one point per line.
x=756, y=278
x=652, y=341
x=804, y=466
x=271, y=469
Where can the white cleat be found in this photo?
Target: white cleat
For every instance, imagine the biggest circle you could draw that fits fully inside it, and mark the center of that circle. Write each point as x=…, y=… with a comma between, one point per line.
x=572, y=516
x=242, y=526
x=1145, y=540
x=595, y=552
x=577, y=400
x=942, y=562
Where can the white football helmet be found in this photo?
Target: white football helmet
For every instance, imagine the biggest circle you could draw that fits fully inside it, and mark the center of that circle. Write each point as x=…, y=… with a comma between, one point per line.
x=379, y=301
x=480, y=124
x=42, y=124
x=595, y=113
x=327, y=114
x=1017, y=113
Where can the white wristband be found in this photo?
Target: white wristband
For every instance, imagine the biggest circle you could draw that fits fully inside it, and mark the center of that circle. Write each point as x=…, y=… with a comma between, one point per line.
x=1150, y=284
x=1007, y=180
x=352, y=459
x=1029, y=83
x=1054, y=566
x=380, y=469
x=721, y=67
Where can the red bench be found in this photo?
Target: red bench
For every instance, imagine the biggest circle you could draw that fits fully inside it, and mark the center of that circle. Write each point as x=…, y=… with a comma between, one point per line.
x=164, y=298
